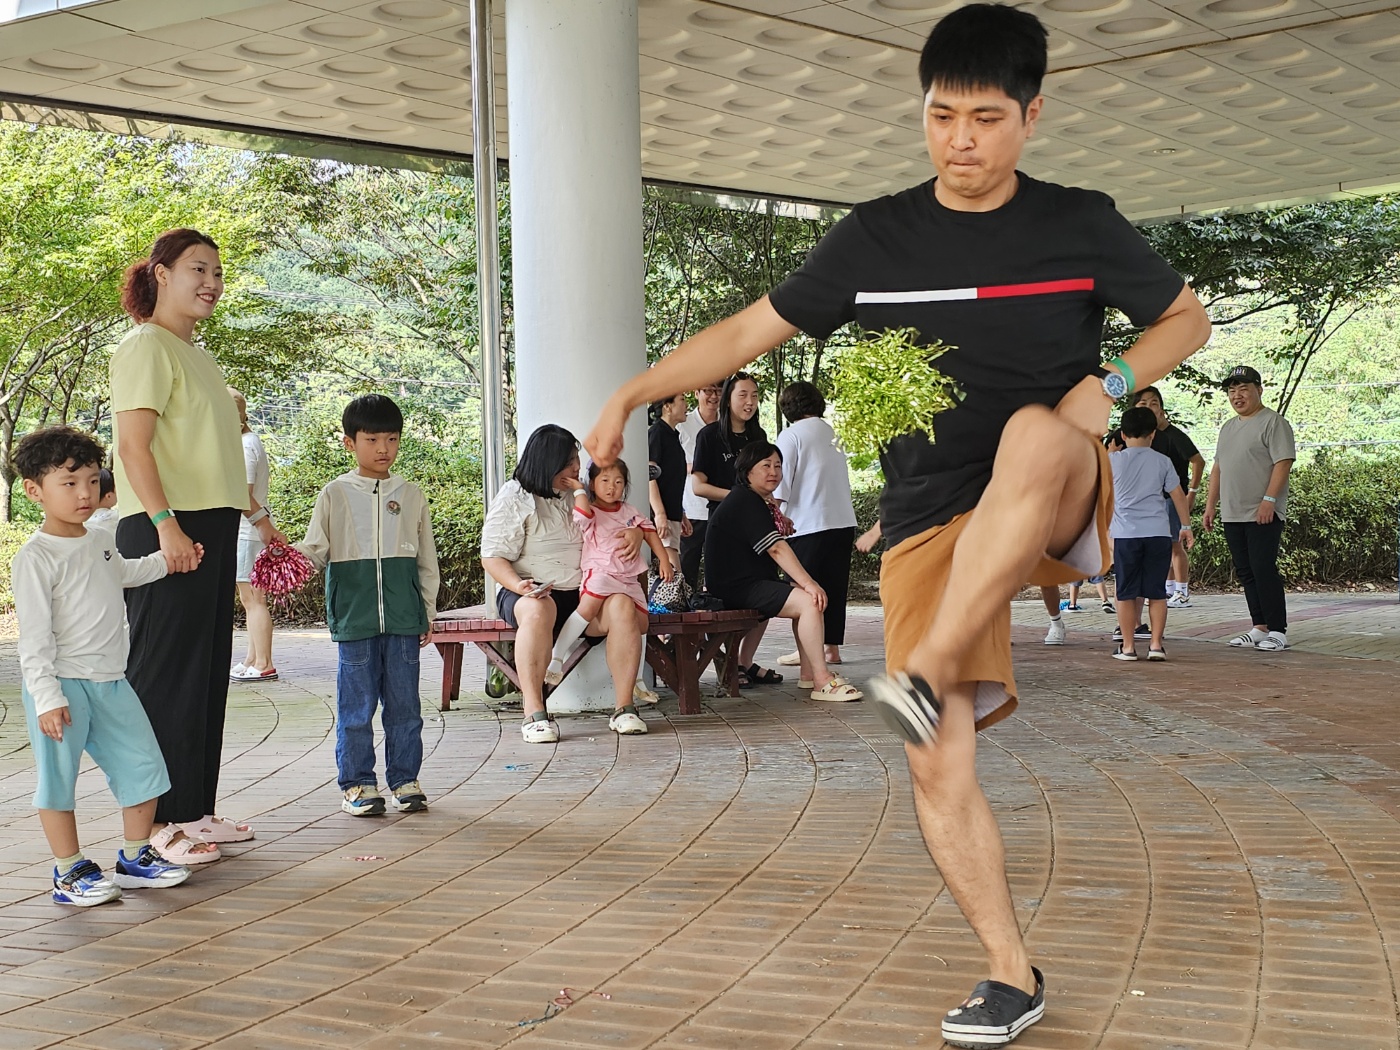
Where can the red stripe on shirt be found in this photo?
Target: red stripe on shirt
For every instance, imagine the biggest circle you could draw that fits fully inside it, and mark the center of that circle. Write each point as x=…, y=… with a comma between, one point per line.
x=1005, y=291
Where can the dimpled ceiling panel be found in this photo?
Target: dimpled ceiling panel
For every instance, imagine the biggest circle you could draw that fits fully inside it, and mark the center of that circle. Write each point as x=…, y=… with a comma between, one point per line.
x=1171, y=107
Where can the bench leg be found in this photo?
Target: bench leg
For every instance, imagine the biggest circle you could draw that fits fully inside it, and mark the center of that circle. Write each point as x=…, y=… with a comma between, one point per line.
x=729, y=676
x=688, y=672
x=451, y=653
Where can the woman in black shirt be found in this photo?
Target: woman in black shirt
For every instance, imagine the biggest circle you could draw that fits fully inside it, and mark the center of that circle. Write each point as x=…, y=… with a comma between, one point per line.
x=667, y=486
x=744, y=551
x=712, y=464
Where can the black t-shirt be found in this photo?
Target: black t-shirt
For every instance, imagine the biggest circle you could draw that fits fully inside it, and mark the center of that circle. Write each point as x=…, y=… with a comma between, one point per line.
x=664, y=449
x=1019, y=291
x=1174, y=443
x=716, y=460
x=737, y=539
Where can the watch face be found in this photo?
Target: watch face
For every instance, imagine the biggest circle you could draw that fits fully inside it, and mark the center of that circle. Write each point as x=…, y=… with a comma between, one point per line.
x=1115, y=386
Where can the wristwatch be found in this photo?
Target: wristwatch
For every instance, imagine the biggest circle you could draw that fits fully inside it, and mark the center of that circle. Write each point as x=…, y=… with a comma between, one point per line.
x=1115, y=386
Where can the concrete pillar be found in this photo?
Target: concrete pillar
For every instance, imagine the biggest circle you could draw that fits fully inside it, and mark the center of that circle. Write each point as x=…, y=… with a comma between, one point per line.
x=572, y=77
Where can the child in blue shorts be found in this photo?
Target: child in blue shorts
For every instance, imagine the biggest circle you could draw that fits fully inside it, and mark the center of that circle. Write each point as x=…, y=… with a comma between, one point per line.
x=73, y=646
x=1142, y=533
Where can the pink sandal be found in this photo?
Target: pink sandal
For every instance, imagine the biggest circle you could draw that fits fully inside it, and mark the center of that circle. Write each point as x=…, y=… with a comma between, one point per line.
x=183, y=850
x=217, y=829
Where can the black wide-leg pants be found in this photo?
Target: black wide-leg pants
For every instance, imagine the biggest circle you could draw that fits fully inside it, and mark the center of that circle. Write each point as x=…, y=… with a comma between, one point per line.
x=827, y=558
x=181, y=647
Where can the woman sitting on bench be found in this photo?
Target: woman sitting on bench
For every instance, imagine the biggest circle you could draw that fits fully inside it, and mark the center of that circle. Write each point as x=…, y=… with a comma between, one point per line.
x=531, y=547
x=744, y=551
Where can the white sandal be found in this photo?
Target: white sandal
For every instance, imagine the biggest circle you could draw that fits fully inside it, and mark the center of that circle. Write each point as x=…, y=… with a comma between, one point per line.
x=217, y=829
x=839, y=690
x=183, y=850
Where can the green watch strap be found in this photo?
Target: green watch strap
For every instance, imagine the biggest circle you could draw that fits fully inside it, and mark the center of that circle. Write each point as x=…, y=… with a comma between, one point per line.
x=161, y=515
x=1122, y=366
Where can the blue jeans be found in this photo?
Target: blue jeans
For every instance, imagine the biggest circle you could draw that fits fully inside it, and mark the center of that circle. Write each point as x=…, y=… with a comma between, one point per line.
x=374, y=671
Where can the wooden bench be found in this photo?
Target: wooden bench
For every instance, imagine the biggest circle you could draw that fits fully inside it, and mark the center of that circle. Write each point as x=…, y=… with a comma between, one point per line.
x=678, y=647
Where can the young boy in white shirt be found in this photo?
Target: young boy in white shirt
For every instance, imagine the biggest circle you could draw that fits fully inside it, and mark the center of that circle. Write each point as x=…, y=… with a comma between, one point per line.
x=73, y=647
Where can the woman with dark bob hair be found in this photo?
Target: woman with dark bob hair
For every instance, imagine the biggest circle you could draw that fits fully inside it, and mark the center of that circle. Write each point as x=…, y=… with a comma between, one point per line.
x=744, y=550
x=182, y=485
x=531, y=547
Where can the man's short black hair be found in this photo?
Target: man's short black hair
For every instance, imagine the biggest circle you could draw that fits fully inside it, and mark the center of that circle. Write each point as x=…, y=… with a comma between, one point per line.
x=800, y=400
x=54, y=448
x=371, y=414
x=1138, y=423
x=750, y=456
x=1150, y=390
x=545, y=454
x=594, y=470
x=984, y=46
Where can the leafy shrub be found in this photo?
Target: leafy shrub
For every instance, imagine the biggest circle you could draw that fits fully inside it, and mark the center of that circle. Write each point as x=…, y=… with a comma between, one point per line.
x=1342, y=526
x=12, y=537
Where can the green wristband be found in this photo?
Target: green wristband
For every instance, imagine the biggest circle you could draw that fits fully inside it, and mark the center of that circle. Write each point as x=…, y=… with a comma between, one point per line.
x=1127, y=372
x=161, y=515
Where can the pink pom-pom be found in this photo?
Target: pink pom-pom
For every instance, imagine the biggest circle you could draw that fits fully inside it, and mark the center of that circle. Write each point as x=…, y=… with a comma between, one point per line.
x=279, y=570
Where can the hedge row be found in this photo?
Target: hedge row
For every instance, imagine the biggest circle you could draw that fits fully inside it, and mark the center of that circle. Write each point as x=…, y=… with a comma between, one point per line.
x=1342, y=526
x=1342, y=515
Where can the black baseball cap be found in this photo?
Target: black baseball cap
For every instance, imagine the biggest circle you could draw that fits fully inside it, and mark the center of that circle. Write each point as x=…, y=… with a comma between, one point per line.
x=1241, y=374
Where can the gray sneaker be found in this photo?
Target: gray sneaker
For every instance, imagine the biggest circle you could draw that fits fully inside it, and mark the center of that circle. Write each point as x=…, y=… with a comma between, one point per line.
x=363, y=800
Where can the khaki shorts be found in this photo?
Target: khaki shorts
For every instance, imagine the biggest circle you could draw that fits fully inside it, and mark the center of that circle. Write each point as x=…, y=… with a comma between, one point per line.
x=914, y=575
x=671, y=536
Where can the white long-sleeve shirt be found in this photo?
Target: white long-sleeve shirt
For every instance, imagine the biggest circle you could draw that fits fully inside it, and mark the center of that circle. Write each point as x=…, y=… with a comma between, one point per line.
x=72, y=620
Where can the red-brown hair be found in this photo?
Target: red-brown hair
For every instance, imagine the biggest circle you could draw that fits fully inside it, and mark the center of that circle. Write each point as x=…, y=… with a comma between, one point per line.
x=139, y=284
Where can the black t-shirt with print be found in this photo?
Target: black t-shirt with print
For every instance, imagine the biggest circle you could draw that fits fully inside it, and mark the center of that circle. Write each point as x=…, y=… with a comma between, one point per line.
x=664, y=449
x=1174, y=443
x=737, y=539
x=1019, y=291
x=716, y=460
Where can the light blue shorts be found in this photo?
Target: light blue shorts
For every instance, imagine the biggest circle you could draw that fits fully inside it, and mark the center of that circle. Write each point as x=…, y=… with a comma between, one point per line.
x=110, y=724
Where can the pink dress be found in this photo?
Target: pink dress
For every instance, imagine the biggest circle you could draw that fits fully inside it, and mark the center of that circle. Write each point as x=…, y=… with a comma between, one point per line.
x=605, y=570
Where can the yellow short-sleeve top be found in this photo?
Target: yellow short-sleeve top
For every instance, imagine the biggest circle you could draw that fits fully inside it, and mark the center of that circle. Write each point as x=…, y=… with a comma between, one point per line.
x=198, y=445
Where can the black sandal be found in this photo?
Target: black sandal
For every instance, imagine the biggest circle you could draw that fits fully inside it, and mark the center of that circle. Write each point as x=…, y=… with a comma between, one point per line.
x=761, y=675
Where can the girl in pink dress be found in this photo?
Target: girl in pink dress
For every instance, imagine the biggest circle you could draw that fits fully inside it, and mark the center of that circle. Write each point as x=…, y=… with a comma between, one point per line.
x=604, y=516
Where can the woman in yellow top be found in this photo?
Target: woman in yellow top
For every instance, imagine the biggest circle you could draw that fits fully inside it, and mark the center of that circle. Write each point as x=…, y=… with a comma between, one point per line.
x=179, y=454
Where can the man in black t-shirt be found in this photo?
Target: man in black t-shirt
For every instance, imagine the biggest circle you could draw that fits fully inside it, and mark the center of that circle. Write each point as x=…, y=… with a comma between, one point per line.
x=1015, y=274
x=1177, y=446
x=666, y=489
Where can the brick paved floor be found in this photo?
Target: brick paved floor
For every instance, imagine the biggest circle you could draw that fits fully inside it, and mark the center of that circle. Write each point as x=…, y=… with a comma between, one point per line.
x=1217, y=833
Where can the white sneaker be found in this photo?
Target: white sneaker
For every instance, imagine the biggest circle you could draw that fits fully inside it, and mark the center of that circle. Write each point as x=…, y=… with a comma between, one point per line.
x=1273, y=642
x=790, y=659
x=1179, y=600
x=644, y=694
x=541, y=731
x=626, y=722
x=1056, y=634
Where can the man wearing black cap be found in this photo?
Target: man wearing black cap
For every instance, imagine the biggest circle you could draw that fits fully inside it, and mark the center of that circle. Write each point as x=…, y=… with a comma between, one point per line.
x=1249, y=483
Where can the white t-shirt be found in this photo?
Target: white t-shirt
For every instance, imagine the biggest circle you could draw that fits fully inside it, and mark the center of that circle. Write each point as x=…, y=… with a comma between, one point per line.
x=697, y=508
x=816, y=482
x=72, y=620
x=259, y=474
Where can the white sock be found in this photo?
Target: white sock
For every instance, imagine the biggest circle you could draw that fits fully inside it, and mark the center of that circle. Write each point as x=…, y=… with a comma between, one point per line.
x=569, y=635
x=1055, y=618
x=1257, y=634
x=1183, y=589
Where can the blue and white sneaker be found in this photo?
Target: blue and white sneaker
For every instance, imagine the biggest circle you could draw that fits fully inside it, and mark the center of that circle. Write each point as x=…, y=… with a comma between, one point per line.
x=83, y=885
x=148, y=871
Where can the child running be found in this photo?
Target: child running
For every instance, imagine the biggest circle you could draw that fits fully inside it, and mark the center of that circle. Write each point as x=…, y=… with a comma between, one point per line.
x=371, y=531
x=609, y=570
x=73, y=647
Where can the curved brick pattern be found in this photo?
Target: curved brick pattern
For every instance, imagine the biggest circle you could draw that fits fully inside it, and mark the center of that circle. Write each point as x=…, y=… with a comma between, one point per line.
x=1217, y=834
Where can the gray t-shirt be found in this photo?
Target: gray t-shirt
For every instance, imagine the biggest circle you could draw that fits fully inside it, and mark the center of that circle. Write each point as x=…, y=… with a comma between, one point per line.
x=1141, y=478
x=1246, y=452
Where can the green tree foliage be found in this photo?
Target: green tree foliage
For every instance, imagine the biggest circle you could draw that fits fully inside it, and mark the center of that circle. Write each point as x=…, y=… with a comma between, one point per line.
x=1318, y=265
x=406, y=242
x=75, y=209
